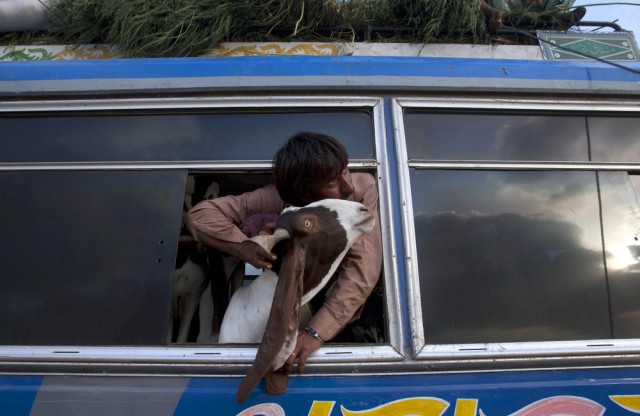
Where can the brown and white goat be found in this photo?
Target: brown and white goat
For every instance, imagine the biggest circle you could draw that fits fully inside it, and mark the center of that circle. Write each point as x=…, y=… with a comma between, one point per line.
x=310, y=243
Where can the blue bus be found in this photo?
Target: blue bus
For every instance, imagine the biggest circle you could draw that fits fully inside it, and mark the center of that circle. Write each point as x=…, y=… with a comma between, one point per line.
x=509, y=205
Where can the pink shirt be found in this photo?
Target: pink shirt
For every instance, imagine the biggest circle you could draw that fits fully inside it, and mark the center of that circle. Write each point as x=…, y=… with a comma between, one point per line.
x=357, y=274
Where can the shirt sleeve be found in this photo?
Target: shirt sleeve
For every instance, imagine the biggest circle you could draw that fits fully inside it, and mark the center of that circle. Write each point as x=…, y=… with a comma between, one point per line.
x=359, y=271
x=220, y=217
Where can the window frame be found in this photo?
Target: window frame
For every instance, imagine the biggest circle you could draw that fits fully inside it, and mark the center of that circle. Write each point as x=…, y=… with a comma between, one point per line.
x=196, y=358
x=532, y=352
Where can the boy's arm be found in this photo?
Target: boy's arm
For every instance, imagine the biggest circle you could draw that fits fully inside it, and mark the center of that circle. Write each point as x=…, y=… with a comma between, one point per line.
x=358, y=273
x=215, y=223
x=357, y=276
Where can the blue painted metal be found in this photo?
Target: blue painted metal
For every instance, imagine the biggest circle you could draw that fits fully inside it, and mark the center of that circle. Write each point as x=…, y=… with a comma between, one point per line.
x=17, y=394
x=297, y=66
x=567, y=392
x=496, y=393
x=312, y=72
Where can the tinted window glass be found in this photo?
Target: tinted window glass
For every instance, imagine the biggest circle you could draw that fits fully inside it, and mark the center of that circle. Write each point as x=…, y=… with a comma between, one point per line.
x=494, y=137
x=168, y=137
x=509, y=256
x=87, y=257
x=621, y=225
x=615, y=139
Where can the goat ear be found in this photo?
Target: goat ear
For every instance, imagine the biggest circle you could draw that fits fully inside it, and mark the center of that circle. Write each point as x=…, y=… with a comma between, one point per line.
x=269, y=241
x=282, y=326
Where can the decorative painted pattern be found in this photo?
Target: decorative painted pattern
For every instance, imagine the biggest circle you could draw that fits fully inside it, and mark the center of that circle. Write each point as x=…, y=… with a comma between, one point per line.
x=431, y=406
x=615, y=46
x=66, y=52
x=631, y=403
x=487, y=395
x=57, y=52
x=261, y=49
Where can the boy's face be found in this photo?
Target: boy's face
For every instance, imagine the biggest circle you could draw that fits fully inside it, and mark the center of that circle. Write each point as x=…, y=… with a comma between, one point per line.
x=339, y=187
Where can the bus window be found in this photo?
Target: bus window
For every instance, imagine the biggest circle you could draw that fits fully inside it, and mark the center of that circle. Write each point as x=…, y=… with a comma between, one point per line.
x=520, y=252
x=93, y=205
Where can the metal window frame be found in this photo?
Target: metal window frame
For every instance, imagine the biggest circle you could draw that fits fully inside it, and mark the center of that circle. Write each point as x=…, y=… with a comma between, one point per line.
x=214, y=359
x=548, y=352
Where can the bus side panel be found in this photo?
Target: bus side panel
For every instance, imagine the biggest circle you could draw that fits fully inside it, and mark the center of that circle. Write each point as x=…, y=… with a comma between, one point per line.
x=562, y=392
x=541, y=393
x=90, y=395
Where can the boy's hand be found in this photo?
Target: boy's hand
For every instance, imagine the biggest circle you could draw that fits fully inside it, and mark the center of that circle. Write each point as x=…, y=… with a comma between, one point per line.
x=305, y=346
x=255, y=255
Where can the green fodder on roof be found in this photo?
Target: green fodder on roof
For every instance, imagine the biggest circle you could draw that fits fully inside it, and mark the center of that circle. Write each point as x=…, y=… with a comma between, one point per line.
x=145, y=28
x=425, y=20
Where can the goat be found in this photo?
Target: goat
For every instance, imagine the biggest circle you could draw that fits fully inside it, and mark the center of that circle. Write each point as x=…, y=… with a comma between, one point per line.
x=192, y=275
x=310, y=243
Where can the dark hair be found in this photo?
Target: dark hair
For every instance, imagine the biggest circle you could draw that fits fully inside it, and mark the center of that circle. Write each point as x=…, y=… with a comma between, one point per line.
x=305, y=159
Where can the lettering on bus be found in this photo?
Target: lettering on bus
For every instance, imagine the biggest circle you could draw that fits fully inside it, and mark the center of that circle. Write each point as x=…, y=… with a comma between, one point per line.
x=430, y=406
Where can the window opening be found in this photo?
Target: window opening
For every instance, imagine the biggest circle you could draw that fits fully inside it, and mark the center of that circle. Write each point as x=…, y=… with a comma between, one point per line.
x=215, y=276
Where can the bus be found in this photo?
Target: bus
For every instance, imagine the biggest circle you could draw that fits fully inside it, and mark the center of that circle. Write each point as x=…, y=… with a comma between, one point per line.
x=509, y=209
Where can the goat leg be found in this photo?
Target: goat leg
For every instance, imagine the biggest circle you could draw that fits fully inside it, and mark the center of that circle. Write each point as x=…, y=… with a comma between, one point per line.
x=185, y=324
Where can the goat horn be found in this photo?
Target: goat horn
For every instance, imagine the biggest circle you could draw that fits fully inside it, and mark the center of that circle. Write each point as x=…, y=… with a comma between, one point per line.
x=269, y=241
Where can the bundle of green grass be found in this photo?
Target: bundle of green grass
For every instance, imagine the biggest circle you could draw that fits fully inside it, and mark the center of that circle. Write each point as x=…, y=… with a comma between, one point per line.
x=144, y=28
x=165, y=28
